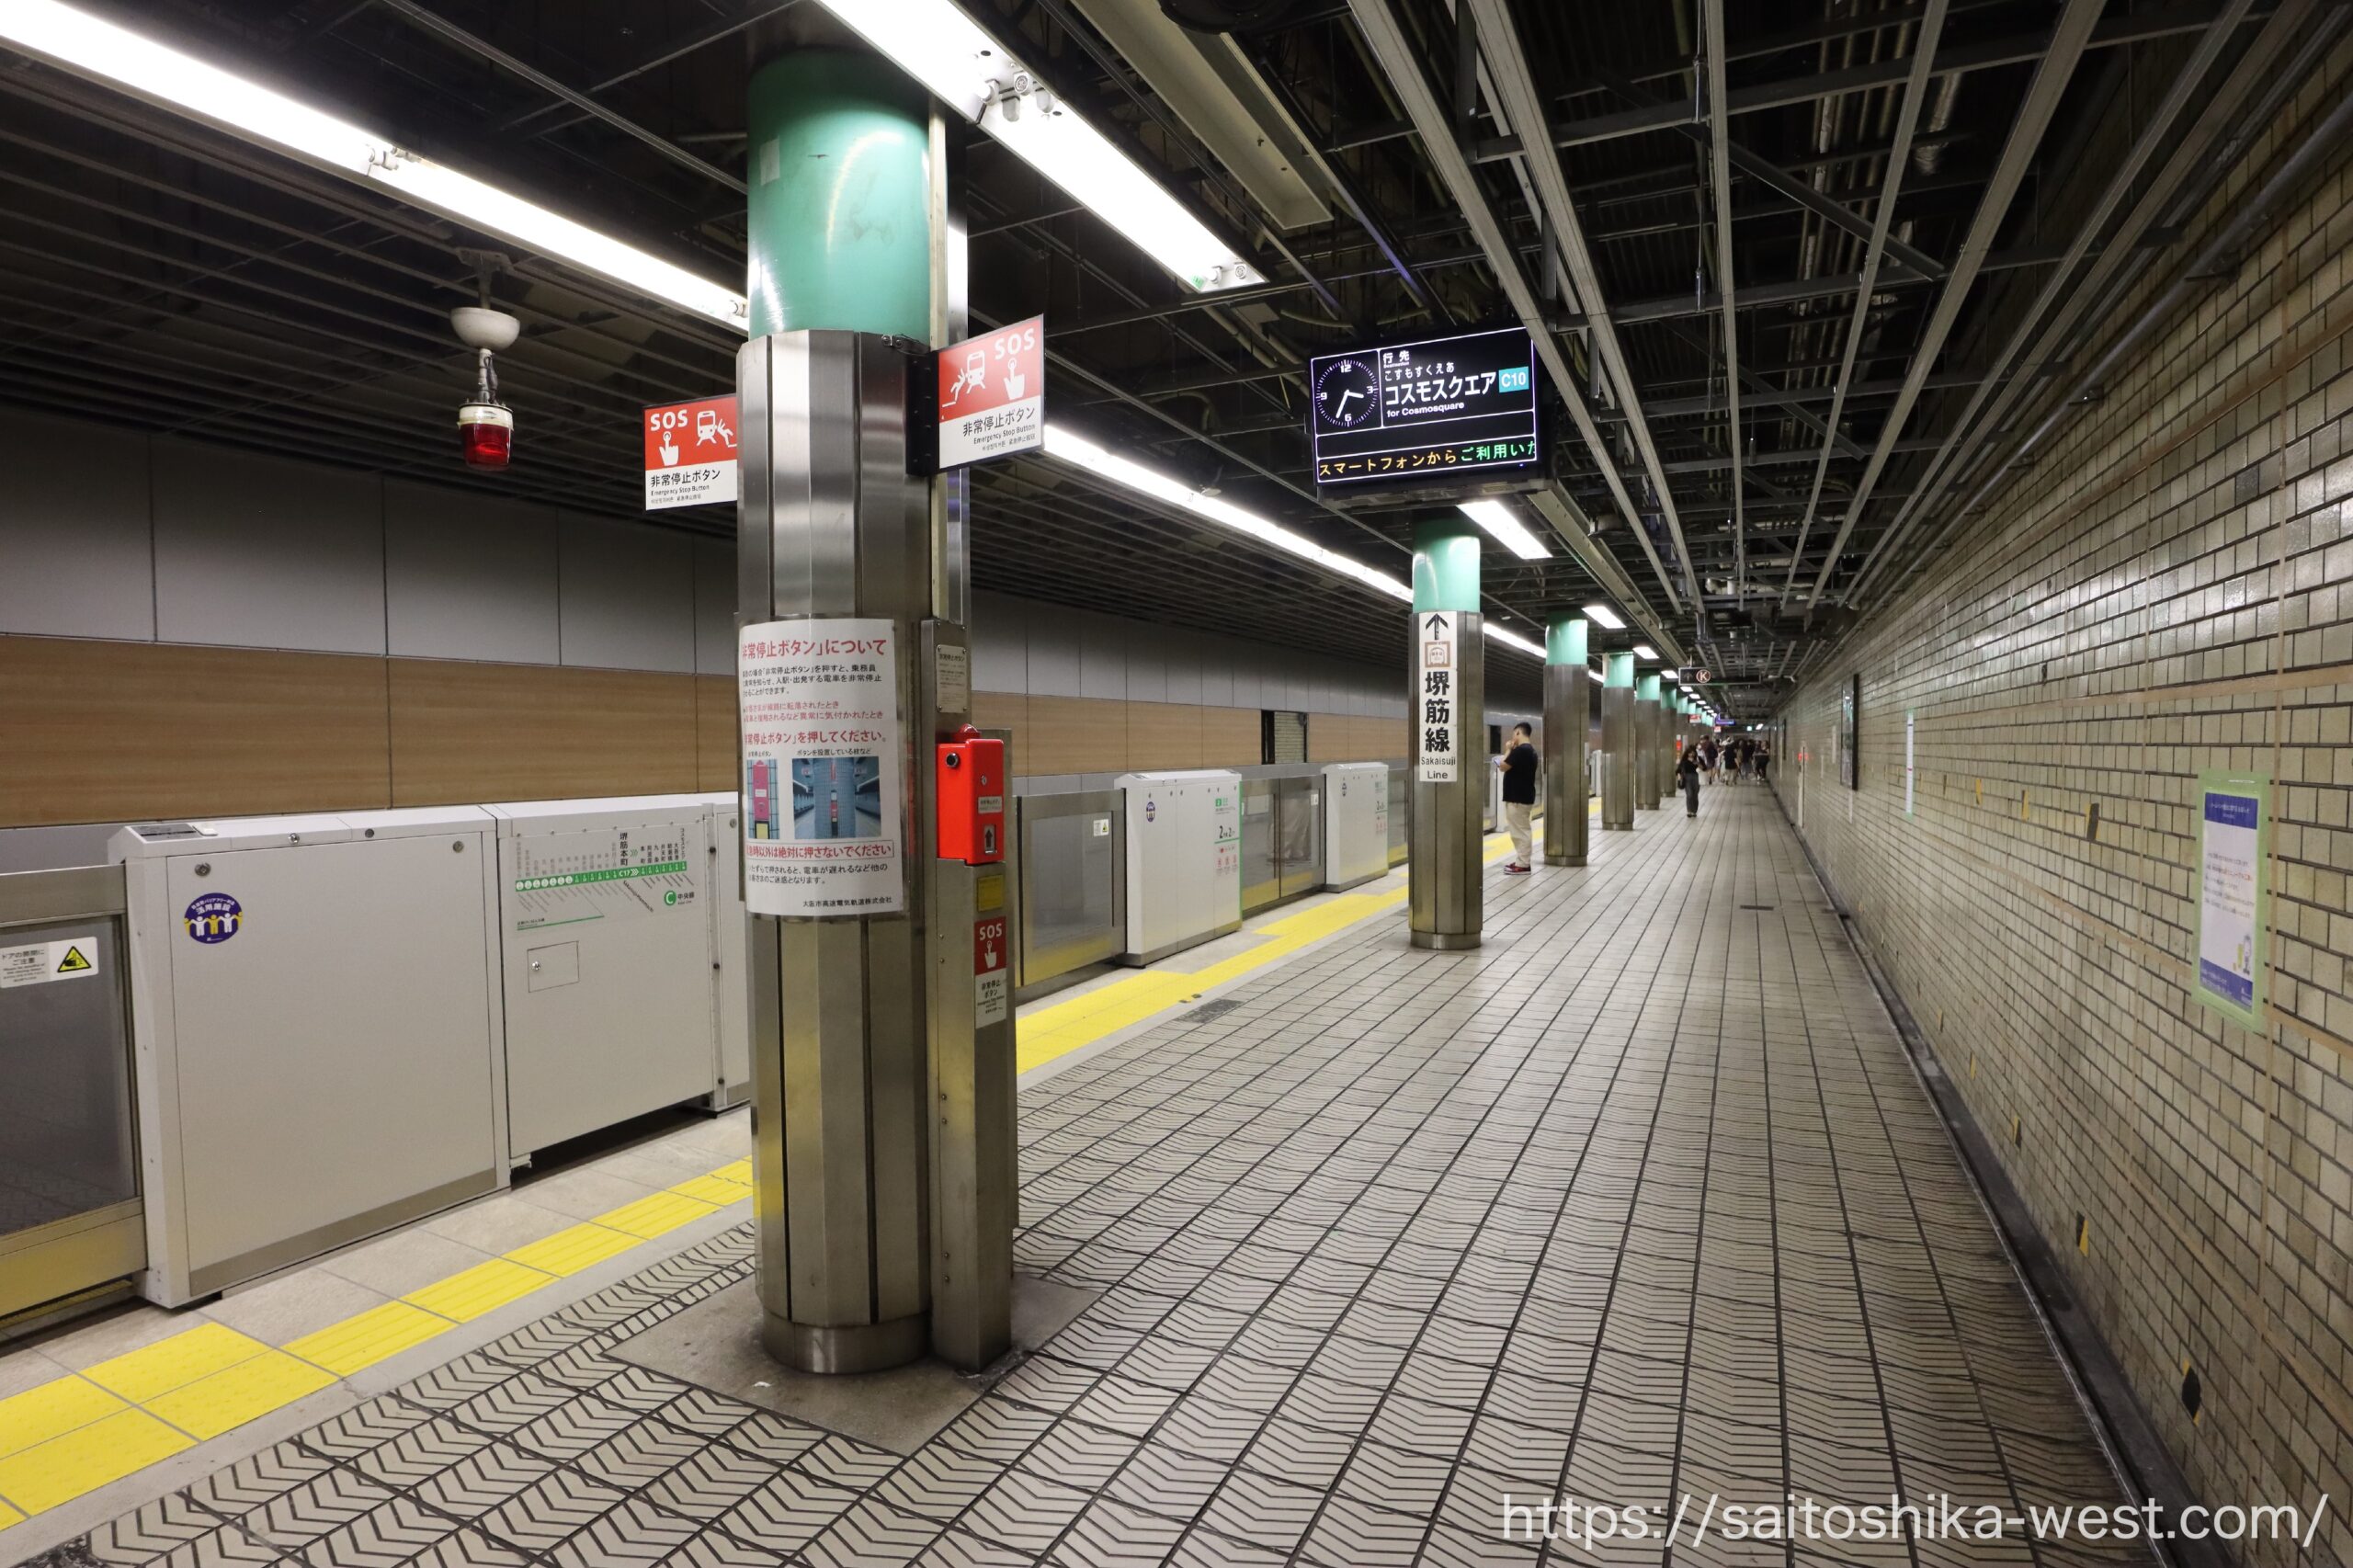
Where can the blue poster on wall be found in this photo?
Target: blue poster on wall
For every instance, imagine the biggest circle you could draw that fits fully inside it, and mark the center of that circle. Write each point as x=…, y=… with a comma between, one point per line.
x=2233, y=889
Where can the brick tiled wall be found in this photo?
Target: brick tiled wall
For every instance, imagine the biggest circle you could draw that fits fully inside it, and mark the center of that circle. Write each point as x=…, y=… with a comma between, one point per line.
x=2168, y=588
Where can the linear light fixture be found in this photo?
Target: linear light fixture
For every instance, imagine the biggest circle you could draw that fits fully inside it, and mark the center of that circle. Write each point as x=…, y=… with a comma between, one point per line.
x=1099, y=461
x=89, y=46
x=1605, y=615
x=1645, y=651
x=1506, y=529
x=181, y=83
x=937, y=43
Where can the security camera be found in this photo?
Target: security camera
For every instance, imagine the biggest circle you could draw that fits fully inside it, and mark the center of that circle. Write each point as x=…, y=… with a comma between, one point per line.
x=485, y=426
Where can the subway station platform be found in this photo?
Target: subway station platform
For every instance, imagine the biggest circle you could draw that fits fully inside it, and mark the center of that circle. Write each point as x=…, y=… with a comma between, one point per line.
x=1640, y=1200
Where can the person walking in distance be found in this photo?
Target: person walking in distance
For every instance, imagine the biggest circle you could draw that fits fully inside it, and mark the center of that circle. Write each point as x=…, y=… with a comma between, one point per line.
x=1687, y=775
x=1519, y=768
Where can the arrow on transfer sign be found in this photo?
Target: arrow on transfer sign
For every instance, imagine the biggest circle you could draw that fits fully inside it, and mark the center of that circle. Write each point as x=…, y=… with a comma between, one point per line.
x=1438, y=625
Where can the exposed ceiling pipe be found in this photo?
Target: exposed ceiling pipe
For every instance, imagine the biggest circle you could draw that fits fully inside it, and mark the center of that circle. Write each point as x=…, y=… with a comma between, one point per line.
x=1908, y=116
x=2034, y=114
x=1978, y=422
x=1522, y=106
x=2215, y=259
x=1930, y=155
x=450, y=32
x=1400, y=62
x=1711, y=28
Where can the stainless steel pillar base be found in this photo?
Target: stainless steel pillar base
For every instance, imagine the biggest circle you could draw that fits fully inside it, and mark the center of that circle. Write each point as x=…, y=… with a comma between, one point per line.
x=858, y=1347
x=1446, y=942
x=1568, y=719
x=1619, y=740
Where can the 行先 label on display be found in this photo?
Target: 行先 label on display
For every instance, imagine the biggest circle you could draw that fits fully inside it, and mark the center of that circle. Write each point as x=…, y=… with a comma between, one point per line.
x=823, y=826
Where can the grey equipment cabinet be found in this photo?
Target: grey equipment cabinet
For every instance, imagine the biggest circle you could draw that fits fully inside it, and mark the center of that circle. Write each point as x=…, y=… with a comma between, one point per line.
x=605, y=942
x=316, y=1027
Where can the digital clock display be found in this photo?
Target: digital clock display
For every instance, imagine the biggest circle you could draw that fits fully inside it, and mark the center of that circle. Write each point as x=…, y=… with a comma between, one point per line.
x=1426, y=412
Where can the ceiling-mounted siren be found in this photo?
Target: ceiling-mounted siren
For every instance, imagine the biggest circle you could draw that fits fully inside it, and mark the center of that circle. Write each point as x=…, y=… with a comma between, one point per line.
x=1230, y=15
x=485, y=426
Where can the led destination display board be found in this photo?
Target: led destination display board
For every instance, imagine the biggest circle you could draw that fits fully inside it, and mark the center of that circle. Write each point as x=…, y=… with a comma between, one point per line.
x=1426, y=411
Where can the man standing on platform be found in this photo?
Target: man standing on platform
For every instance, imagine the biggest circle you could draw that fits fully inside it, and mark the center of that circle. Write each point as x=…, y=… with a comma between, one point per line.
x=1519, y=767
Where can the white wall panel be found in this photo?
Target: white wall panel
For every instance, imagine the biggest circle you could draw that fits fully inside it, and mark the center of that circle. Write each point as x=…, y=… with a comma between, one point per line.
x=628, y=596
x=469, y=577
x=1181, y=650
x=1053, y=651
x=1103, y=655
x=1147, y=661
x=715, y=607
x=74, y=557
x=261, y=553
x=1000, y=634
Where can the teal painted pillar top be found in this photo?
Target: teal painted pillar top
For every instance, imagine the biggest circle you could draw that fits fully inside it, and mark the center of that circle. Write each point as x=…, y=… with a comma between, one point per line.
x=1564, y=640
x=839, y=230
x=1648, y=690
x=1618, y=669
x=1446, y=567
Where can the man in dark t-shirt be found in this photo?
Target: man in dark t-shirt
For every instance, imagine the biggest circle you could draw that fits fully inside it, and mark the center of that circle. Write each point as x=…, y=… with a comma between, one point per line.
x=1519, y=767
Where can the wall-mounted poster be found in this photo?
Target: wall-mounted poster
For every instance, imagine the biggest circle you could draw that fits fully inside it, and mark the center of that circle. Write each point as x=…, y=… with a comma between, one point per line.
x=1850, y=765
x=2233, y=893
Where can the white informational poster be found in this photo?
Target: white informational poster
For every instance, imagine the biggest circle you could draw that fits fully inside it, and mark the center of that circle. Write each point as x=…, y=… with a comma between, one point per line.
x=2234, y=842
x=1907, y=762
x=1438, y=718
x=822, y=815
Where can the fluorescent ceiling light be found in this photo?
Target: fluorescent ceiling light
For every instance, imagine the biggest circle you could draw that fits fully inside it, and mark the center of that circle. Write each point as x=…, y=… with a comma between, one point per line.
x=1513, y=638
x=1645, y=651
x=1606, y=616
x=1667, y=675
x=162, y=75
x=1099, y=461
x=940, y=45
x=1506, y=529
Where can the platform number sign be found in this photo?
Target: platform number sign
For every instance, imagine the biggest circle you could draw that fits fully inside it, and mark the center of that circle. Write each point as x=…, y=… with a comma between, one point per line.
x=1437, y=717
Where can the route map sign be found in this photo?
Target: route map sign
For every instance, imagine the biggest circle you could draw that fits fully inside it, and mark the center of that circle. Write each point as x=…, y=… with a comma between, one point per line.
x=1428, y=412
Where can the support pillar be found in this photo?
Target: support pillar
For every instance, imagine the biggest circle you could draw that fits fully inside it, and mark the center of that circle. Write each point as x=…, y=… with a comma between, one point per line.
x=1618, y=742
x=1448, y=705
x=1647, y=726
x=1568, y=685
x=884, y=1144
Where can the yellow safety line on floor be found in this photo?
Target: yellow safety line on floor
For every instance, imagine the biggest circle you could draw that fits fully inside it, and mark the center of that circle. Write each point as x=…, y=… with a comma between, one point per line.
x=1053, y=1032
x=77, y=1433
x=74, y=1434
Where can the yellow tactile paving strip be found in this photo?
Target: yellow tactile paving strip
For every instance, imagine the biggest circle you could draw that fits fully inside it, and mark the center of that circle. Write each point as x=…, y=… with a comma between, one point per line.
x=1056, y=1032
x=77, y=1433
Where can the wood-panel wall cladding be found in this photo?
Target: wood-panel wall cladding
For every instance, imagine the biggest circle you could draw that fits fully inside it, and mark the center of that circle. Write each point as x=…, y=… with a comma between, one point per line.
x=95, y=731
x=112, y=732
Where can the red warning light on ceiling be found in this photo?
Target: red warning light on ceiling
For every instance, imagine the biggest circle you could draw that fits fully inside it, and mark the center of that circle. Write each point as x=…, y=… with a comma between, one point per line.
x=485, y=434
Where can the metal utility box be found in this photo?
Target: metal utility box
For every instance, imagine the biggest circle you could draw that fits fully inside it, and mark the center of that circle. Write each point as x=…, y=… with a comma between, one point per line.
x=1355, y=823
x=1184, y=854
x=1070, y=885
x=730, y=974
x=316, y=1024
x=605, y=945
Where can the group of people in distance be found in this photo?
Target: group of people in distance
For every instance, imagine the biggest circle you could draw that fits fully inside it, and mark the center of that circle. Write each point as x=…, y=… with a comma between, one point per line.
x=1747, y=759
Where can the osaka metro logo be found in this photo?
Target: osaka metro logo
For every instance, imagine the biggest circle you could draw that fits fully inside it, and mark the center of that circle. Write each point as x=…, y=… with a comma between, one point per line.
x=214, y=917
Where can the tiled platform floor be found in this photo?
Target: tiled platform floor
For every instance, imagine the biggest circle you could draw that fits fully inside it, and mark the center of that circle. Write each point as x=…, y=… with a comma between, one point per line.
x=1639, y=1199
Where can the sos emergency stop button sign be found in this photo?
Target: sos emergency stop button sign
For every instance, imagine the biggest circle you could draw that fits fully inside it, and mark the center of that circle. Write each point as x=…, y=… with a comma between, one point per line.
x=690, y=453
x=993, y=395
